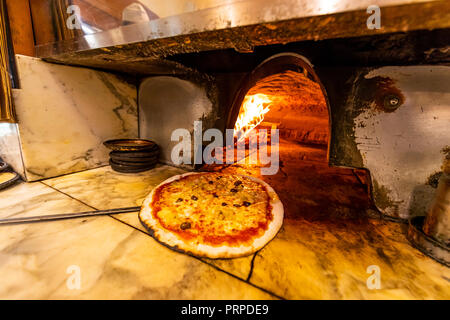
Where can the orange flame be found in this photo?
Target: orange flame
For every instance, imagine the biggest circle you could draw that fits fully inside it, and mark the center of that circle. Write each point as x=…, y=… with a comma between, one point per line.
x=252, y=113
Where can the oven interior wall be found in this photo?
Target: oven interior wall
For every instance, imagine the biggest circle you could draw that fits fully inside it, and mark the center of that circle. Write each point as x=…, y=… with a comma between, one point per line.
x=298, y=104
x=299, y=110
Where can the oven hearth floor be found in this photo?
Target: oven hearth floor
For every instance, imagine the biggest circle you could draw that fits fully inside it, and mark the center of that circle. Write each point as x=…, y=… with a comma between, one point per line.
x=308, y=259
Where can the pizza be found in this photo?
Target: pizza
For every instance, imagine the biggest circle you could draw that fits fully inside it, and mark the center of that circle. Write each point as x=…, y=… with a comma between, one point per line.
x=213, y=215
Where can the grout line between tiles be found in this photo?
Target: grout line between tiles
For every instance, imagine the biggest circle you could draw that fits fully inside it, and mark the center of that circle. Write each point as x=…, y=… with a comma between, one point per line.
x=68, y=174
x=236, y=277
x=209, y=264
x=68, y=195
x=251, y=266
x=199, y=259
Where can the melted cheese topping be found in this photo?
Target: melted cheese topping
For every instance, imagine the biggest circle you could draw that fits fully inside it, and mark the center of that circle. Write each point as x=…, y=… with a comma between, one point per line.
x=213, y=208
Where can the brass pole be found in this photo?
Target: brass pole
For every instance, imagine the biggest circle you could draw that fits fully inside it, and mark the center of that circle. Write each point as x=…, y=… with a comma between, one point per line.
x=6, y=102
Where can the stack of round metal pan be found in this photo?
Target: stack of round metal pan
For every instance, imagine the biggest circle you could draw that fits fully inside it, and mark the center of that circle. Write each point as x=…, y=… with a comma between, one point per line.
x=132, y=155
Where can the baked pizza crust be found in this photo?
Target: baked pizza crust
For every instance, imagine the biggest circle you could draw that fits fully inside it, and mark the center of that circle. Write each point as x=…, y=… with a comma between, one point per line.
x=177, y=243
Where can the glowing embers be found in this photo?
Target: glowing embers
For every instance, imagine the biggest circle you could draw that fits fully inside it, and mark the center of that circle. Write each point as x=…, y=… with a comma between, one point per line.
x=252, y=112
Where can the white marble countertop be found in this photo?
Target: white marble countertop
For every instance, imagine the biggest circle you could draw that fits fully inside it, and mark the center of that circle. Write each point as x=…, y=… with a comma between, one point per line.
x=115, y=258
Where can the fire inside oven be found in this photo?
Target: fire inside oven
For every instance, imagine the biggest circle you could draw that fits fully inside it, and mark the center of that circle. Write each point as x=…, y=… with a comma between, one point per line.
x=284, y=93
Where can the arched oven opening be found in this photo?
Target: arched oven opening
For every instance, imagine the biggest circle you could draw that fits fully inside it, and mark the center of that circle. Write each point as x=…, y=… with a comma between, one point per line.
x=285, y=93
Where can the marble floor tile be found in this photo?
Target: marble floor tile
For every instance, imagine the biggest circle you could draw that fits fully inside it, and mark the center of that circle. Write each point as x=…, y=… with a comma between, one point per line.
x=35, y=199
x=103, y=188
x=323, y=260
x=239, y=267
x=115, y=261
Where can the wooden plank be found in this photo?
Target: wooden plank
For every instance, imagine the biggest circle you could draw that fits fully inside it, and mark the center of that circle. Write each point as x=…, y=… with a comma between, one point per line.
x=21, y=26
x=42, y=21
